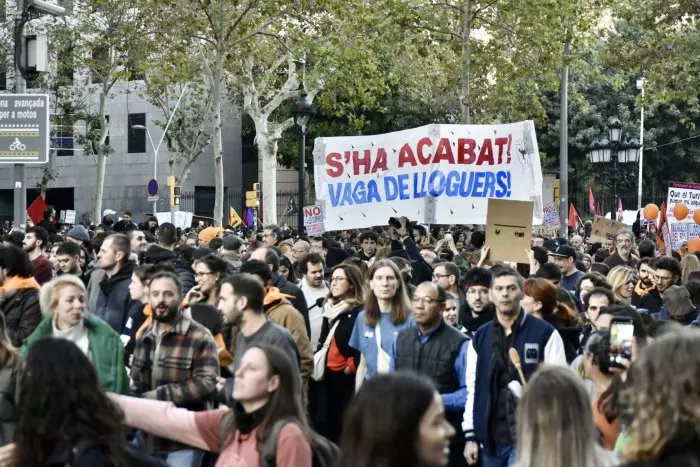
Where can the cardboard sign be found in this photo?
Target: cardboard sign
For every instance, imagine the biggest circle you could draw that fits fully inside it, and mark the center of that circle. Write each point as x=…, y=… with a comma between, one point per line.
x=69, y=217
x=551, y=216
x=509, y=229
x=604, y=228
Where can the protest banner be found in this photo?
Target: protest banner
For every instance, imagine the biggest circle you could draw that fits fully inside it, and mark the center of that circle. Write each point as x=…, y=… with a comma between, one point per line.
x=69, y=217
x=682, y=230
x=604, y=228
x=509, y=229
x=313, y=220
x=688, y=193
x=435, y=174
x=551, y=216
x=182, y=219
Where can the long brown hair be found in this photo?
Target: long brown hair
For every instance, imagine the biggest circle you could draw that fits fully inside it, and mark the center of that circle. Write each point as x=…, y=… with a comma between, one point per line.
x=8, y=352
x=543, y=291
x=356, y=293
x=400, y=304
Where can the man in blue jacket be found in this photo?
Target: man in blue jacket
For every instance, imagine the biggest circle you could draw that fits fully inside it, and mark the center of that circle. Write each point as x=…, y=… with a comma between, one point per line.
x=493, y=382
x=437, y=350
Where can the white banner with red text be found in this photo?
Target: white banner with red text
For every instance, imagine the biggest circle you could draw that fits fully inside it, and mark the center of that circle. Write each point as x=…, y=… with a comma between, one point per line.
x=434, y=174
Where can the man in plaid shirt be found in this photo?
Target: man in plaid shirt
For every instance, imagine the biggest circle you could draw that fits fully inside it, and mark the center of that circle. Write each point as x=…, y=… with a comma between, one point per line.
x=175, y=360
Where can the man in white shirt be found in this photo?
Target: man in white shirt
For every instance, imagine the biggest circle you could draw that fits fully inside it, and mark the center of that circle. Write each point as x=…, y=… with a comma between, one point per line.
x=314, y=288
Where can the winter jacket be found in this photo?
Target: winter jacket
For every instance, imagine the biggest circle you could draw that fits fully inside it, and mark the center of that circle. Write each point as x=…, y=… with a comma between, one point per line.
x=651, y=301
x=535, y=340
x=280, y=310
x=123, y=226
x=233, y=259
x=570, y=336
x=471, y=323
x=105, y=349
x=9, y=392
x=19, y=302
x=186, y=274
x=113, y=297
x=298, y=300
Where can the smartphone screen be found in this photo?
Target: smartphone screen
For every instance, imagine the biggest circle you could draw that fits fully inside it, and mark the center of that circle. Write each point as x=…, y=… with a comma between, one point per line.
x=621, y=337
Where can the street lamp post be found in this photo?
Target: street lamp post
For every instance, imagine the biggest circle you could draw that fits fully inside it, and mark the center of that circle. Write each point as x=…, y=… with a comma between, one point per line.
x=160, y=141
x=303, y=111
x=612, y=148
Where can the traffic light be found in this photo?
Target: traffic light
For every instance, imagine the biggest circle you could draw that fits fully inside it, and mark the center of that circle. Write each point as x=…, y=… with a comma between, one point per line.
x=251, y=197
x=176, y=196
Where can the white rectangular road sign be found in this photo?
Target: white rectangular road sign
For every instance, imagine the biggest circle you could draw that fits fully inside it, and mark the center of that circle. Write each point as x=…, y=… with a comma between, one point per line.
x=24, y=128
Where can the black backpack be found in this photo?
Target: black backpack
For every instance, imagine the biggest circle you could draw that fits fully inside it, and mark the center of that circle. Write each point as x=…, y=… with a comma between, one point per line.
x=324, y=452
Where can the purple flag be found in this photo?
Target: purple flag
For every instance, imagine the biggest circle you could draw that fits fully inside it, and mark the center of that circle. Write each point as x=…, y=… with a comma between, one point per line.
x=249, y=217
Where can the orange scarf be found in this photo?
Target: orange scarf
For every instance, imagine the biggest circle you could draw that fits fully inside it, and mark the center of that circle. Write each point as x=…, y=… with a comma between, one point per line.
x=641, y=291
x=273, y=294
x=17, y=282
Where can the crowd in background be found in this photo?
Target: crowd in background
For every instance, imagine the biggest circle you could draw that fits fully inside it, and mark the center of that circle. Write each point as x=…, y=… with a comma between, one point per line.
x=125, y=344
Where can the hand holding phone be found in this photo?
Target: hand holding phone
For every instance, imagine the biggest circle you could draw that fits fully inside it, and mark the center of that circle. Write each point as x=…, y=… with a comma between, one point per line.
x=621, y=341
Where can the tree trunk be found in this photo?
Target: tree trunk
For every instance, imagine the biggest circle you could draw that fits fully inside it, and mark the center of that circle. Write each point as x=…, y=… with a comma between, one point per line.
x=101, y=161
x=217, y=141
x=267, y=150
x=465, y=34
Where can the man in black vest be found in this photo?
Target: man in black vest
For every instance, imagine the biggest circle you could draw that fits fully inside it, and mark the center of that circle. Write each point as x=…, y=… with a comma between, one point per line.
x=439, y=351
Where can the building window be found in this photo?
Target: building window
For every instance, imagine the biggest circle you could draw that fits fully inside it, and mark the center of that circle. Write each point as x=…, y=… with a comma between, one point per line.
x=64, y=141
x=137, y=138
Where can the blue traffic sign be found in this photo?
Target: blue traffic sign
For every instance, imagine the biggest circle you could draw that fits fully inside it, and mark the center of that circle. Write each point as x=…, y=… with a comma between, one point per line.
x=152, y=187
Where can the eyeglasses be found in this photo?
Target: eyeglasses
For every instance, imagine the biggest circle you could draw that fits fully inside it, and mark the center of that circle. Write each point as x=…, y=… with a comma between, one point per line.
x=200, y=274
x=425, y=300
x=440, y=276
x=338, y=279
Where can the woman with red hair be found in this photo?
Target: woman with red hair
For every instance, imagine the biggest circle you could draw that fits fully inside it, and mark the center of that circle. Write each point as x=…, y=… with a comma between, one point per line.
x=540, y=300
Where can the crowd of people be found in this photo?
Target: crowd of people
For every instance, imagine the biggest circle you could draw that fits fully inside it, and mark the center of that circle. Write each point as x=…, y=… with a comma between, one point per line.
x=147, y=345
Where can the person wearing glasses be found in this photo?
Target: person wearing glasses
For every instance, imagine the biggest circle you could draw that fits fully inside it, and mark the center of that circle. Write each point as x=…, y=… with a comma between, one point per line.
x=447, y=275
x=432, y=348
x=667, y=272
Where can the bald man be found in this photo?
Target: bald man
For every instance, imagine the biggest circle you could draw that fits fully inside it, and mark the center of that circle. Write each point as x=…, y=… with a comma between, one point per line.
x=300, y=250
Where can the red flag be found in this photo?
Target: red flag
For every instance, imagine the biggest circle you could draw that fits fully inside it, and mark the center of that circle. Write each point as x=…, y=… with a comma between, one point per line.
x=573, y=216
x=597, y=211
x=619, y=210
x=35, y=211
x=591, y=200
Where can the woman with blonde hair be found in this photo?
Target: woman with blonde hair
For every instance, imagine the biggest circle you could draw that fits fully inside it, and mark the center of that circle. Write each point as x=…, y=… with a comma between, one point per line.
x=689, y=264
x=387, y=311
x=334, y=391
x=555, y=423
x=63, y=305
x=622, y=280
x=661, y=403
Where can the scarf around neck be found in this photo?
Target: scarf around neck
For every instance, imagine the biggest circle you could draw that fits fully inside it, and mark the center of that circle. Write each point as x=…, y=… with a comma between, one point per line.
x=247, y=422
x=332, y=310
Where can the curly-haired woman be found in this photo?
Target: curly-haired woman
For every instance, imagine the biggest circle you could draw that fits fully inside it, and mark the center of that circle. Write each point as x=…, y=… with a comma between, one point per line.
x=661, y=403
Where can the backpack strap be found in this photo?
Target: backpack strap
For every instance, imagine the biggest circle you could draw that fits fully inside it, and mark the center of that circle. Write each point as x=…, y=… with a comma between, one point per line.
x=268, y=451
x=225, y=426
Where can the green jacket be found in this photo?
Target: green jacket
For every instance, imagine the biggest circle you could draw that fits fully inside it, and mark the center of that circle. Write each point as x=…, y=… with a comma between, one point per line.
x=106, y=351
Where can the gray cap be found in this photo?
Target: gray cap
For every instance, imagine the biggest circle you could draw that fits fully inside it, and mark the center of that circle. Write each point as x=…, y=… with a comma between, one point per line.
x=677, y=301
x=79, y=232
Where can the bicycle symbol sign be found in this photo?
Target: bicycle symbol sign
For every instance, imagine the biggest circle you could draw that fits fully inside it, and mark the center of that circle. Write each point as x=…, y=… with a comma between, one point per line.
x=17, y=145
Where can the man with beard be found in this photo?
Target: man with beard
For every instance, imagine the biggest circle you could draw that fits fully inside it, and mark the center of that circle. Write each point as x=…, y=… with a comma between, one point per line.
x=314, y=288
x=624, y=242
x=241, y=303
x=175, y=360
x=34, y=242
x=667, y=272
x=493, y=383
x=477, y=308
x=645, y=283
x=368, y=244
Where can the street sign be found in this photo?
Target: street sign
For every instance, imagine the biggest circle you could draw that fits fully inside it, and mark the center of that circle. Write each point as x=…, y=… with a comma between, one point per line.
x=24, y=128
x=151, y=199
x=152, y=187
